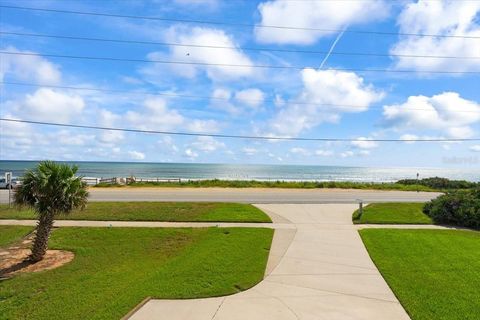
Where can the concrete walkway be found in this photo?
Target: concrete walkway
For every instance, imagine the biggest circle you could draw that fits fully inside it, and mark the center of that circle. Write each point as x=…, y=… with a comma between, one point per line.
x=147, y=224
x=320, y=271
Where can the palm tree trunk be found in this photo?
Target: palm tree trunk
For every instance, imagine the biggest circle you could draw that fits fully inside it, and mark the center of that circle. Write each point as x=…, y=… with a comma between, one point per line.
x=40, y=244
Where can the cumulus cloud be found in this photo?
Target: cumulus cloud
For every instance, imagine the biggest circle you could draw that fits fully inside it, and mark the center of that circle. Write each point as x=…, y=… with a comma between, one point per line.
x=364, y=143
x=50, y=105
x=189, y=153
x=300, y=151
x=347, y=154
x=322, y=88
x=443, y=18
x=136, y=155
x=235, y=102
x=207, y=144
x=325, y=15
x=252, y=97
x=323, y=153
x=28, y=68
x=440, y=112
x=202, y=36
x=249, y=151
x=156, y=115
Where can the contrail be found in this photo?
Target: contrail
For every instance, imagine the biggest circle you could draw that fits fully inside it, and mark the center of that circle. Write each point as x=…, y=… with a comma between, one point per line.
x=332, y=47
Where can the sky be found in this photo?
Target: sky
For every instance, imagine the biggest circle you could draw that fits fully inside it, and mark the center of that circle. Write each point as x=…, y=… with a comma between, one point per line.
x=302, y=92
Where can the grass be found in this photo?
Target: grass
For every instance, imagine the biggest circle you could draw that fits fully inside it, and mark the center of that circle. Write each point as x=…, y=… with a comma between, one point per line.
x=154, y=211
x=434, y=273
x=392, y=213
x=275, y=184
x=11, y=234
x=116, y=268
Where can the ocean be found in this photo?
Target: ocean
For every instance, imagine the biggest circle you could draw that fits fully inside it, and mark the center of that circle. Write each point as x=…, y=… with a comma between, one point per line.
x=249, y=171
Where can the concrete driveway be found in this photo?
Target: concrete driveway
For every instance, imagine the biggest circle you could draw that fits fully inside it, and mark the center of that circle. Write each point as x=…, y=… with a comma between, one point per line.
x=320, y=269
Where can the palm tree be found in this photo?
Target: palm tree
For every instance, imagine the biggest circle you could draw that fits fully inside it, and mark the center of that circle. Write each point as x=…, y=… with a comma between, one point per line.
x=50, y=189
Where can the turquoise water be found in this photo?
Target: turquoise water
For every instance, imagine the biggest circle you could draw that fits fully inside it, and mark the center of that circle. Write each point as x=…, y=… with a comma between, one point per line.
x=249, y=172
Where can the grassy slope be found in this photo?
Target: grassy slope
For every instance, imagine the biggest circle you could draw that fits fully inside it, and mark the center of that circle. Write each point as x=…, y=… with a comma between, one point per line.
x=10, y=234
x=155, y=211
x=393, y=213
x=434, y=273
x=276, y=184
x=115, y=269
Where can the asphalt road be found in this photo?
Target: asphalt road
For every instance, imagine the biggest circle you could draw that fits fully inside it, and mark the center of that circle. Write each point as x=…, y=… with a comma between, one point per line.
x=251, y=195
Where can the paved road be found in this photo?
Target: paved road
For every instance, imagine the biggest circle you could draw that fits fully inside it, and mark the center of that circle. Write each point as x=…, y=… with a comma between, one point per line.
x=320, y=271
x=251, y=195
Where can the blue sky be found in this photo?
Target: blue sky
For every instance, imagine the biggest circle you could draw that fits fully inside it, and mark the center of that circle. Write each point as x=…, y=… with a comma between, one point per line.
x=314, y=100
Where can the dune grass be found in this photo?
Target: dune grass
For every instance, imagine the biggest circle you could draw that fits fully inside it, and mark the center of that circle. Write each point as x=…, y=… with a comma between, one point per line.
x=434, y=273
x=154, y=211
x=11, y=234
x=392, y=213
x=114, y=269
x=218, y=183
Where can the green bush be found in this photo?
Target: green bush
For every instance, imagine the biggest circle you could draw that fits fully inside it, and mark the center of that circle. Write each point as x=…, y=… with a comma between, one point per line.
x=460, y=208
x=440, y=183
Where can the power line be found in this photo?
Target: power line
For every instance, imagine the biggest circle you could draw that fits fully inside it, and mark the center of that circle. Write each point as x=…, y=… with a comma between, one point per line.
x=234, y=24
x=230, y=65
x=179, y=95
x=213, y=135
x=368, y=54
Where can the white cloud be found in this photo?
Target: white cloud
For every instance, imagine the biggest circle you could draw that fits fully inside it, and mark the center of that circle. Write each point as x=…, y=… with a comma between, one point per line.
x=136, y=155
x=189, y=153
x=168, y=144
x=156, y=116
x=249, y=151
x=409, y=136
x=252, y=97
x=300, y=151
x=222, y=101
x=66, y=137
x=202, y=126
x=440, y=112
x=207, y=144
x=322, y=88
x=475, y=148
x=325, y=15
x=443, y=18
x=323, y=153
x=202, y=36
x=234, y=102
x=364, y=143
x=29, y=68
x=50, y=105
x=347, y=154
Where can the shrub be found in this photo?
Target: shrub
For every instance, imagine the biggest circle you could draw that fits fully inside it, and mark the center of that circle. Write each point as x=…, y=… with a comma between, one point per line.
x=460, y=208
x=440, y=183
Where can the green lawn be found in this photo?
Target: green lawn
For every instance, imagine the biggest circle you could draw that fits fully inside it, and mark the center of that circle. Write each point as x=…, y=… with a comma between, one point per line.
x=116, y=268
x=155, y=211
x=434, y=273
x=393, y=213
x=10, y=234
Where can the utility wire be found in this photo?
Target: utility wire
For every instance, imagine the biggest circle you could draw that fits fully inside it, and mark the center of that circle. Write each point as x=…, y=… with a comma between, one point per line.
x=186, y=45
x=190, y=96
x=234, y=24
x=230, y=65
x=232, y=136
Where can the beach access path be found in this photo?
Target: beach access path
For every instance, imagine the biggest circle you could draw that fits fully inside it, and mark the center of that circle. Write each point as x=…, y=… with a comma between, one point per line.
x=251, y=195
